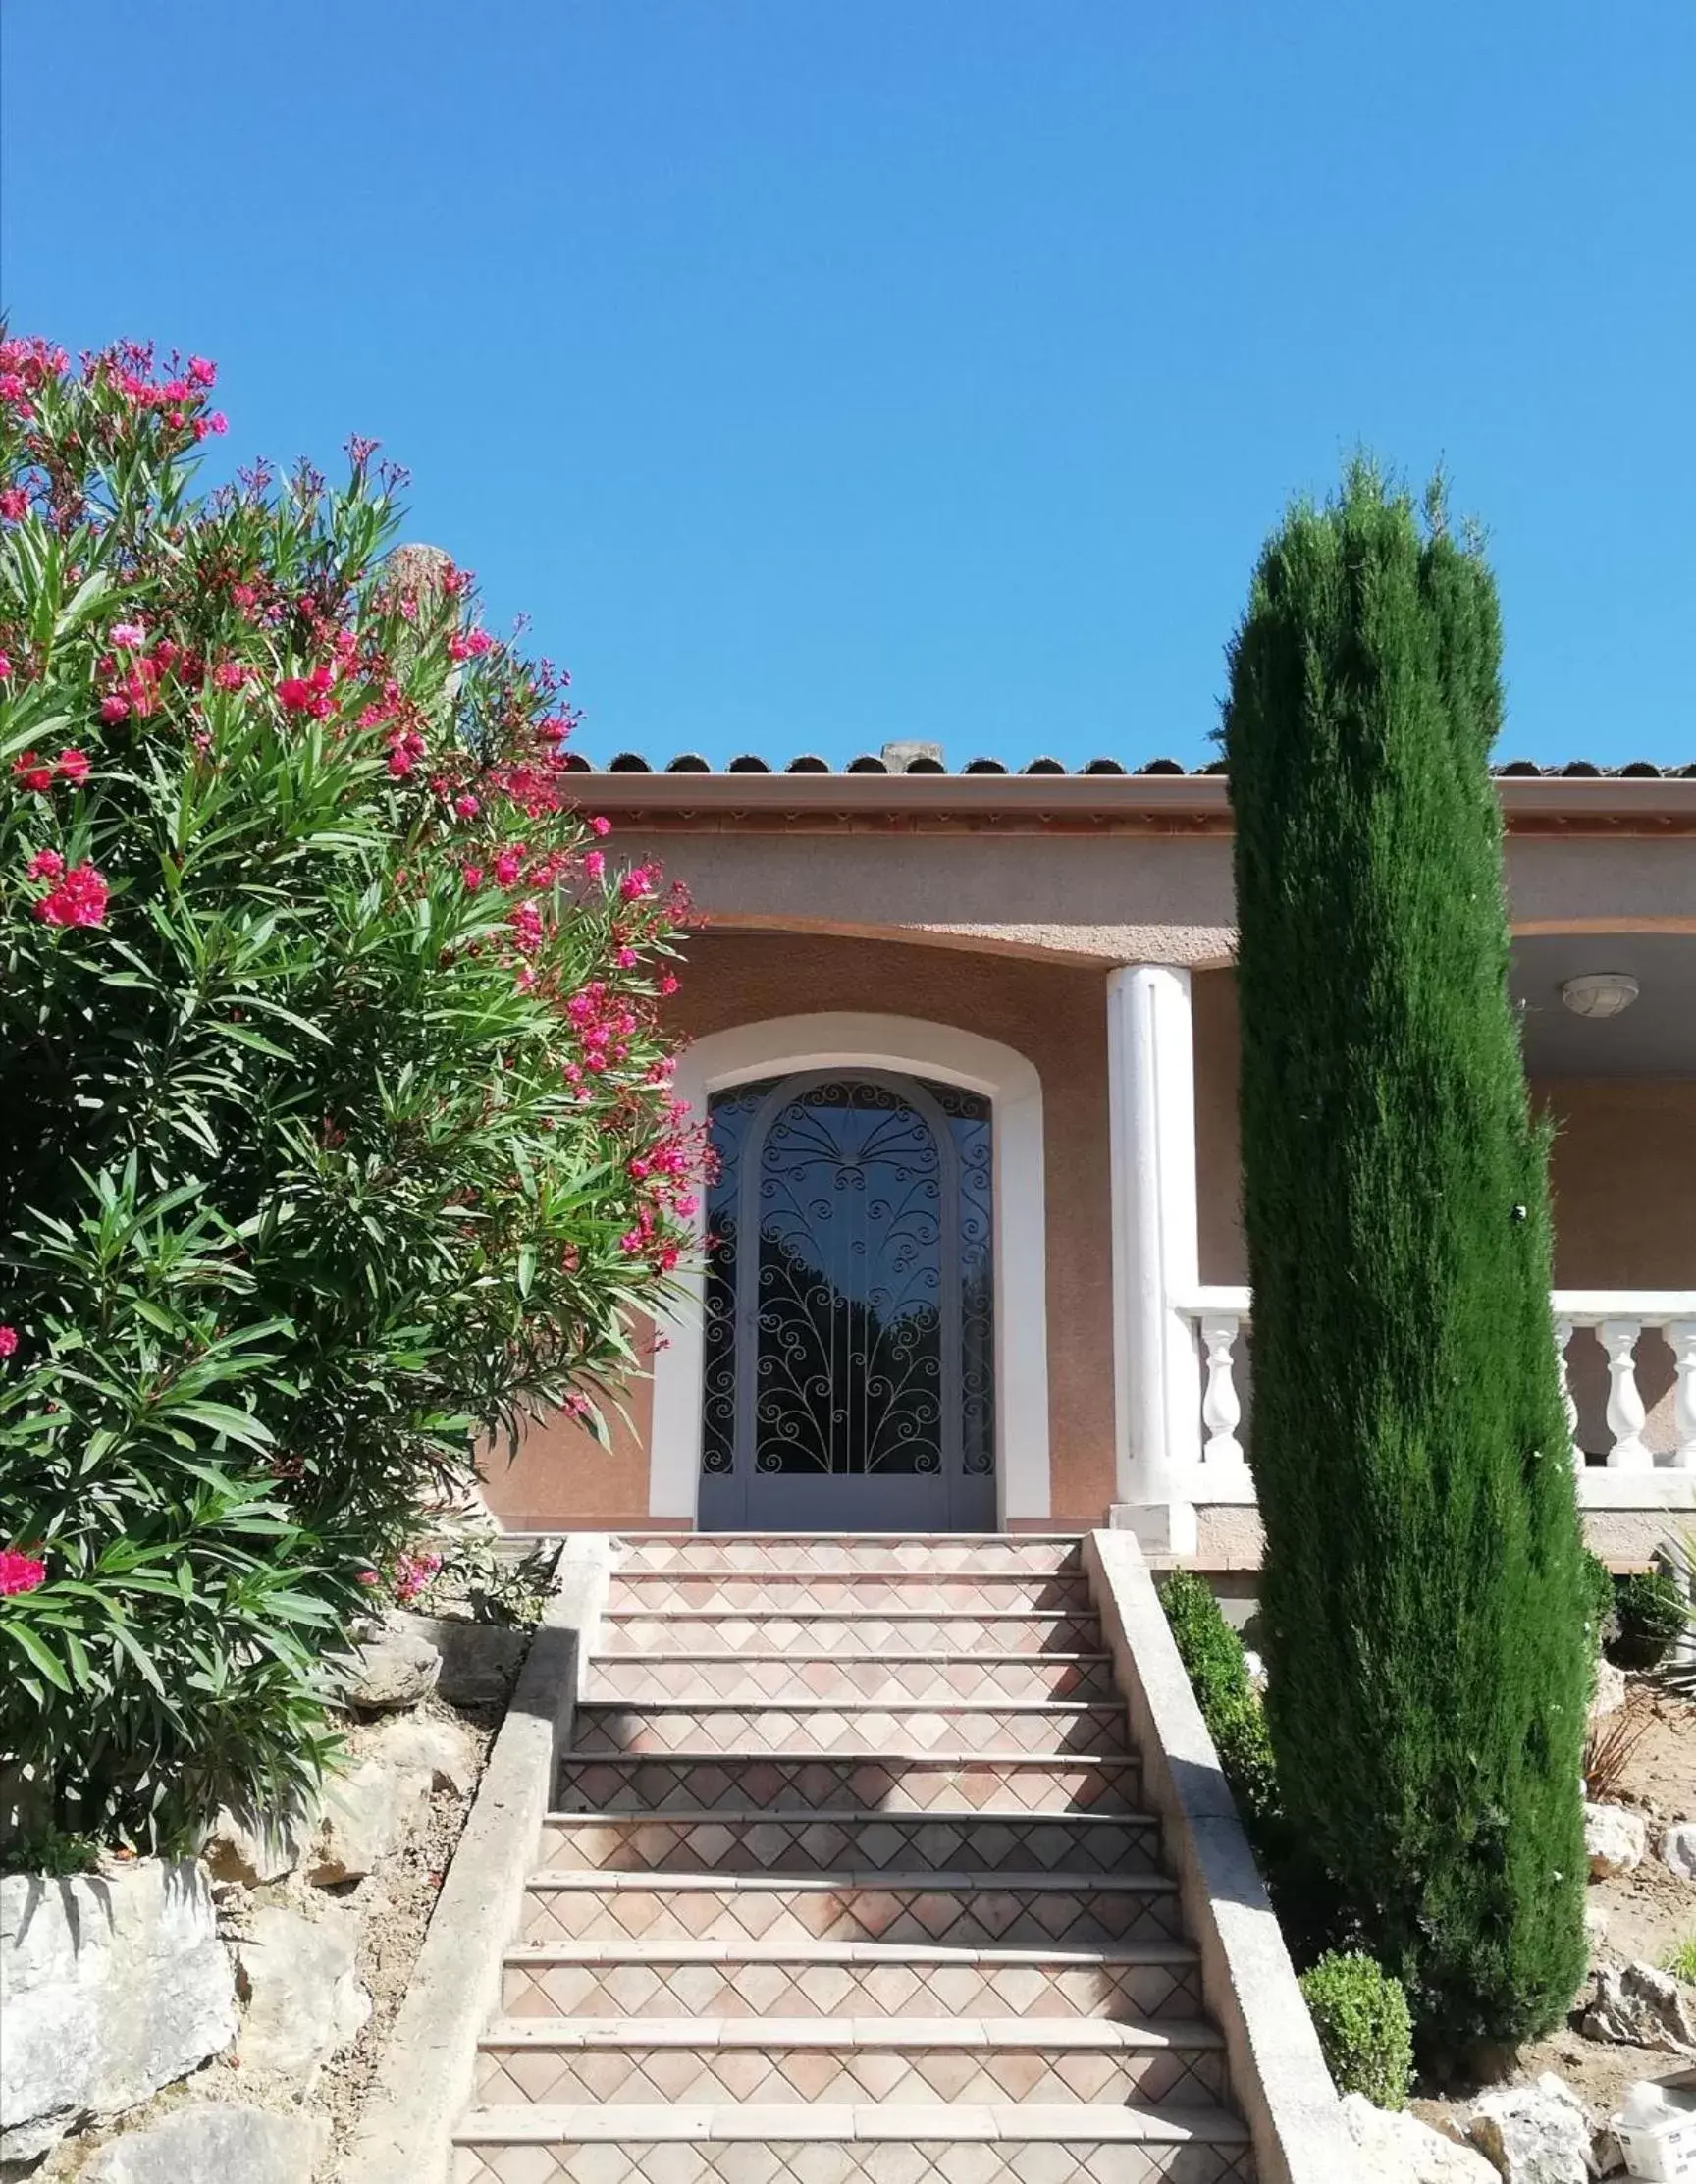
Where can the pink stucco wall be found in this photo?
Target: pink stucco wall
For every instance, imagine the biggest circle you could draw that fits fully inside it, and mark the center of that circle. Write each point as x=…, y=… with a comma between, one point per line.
x=1624, y=1178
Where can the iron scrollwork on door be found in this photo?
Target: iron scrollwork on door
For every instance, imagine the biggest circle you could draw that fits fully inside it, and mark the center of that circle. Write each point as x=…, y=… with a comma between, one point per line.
x=854, y=1334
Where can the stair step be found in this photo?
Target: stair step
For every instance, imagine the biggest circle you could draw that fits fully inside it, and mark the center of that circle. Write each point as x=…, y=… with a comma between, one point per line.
x=790, y=1592
x=866, y=1979
x=943, y=1554
x=854, y=2143
x=1003, y=1632
x=1079, y=1910
x=836, y=1726
x=845, y=2058
x=757, y=1841
x=711, y=1781
x=662, y=1679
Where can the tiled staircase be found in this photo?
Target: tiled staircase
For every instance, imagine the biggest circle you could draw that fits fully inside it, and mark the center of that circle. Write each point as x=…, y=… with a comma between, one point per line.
x=848, y=1881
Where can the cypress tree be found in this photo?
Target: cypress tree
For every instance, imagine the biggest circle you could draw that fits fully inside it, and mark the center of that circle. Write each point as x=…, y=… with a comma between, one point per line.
x=1423, y=1595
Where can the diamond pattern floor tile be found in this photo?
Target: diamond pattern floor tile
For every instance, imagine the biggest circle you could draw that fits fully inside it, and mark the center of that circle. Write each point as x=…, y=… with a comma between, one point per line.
x=1044, y=1727
x=711, y=1782
x=761, y=1842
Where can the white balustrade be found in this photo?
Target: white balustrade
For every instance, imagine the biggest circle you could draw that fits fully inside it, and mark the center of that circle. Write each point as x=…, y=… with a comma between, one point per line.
x=1221, y=1404
x=1681, y=1341
x=1616, y=1319
x=1562, y=1341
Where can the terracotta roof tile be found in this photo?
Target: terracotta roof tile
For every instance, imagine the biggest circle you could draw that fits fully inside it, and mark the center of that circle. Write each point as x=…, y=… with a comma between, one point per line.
x=872, y=762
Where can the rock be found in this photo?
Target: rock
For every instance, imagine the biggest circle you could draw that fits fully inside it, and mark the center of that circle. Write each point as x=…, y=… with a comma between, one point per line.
x=266, y=1848
x=1401, y=2149
x=1595, y=1924
x=1641, y=2008
x=442, y=1752
x=1679, y=1849
x=1535, y=2134
x=362, y=1818
x=213, y=2143
x=115, y=1984
x=303, y=2003
x=399, y=1667
x=480, y=1660
x=1614, y=1840
x=1610, y=1693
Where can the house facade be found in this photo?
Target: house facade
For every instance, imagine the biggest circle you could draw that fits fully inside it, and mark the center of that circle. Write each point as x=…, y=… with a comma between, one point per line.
x=966, y=1044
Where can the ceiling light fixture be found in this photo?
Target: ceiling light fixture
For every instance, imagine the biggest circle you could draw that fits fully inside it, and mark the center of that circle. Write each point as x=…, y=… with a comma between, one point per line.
x=1599, y=992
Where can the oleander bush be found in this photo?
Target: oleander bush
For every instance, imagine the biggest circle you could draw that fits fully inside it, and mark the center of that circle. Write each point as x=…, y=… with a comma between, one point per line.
x=338, y=1136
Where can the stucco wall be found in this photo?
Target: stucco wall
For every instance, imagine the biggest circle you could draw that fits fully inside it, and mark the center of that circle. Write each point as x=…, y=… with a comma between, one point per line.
x=1057, y=1016
x=1623, y=1172
x=1120, y=898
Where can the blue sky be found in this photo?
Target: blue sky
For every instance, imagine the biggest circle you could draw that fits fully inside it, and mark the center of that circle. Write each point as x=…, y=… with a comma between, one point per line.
x=820, y=371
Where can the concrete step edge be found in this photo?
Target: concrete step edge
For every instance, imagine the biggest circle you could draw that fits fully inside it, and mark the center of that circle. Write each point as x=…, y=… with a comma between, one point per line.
x=563, y=1879
x=1131, y=2123
x=1089, y=2035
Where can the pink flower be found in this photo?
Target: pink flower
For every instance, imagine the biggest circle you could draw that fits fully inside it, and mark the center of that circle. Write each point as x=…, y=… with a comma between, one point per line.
x=128, y=636
x=467, y=806
x=229, y=674
x=669, y=984
x=46, y=864
x=20, y=1573
x=308, y=694
x=473, y=878
x=601, y=826
x=5, y=665
x=114, y=707
x=509, y=864
x=637, y=883
x=73, y=768
x=13, y=504
x=203, y=371
x=593, y=864
x=367, y=1577
x=79, y=899
x=8, y=1341
x=625, y=959
x=30, y=772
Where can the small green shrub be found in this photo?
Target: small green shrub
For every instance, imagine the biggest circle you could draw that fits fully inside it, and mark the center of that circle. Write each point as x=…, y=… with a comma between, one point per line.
x=472, y=1577
x=48, y=1849
x=1680, y=1959
x=1303, y=1893
x=1601, y=1610
x=1651, y=1607
x=1360, y=2014
x=1212, y=1656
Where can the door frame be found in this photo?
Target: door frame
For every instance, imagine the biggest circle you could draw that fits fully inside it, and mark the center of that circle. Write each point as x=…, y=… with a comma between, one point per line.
x=909, y=1047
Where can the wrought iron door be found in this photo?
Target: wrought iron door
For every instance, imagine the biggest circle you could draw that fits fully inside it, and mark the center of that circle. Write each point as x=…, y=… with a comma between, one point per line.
x=850, y=1347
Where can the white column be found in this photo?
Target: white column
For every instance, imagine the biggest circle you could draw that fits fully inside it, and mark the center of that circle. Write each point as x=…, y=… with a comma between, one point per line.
x=1156, y=1370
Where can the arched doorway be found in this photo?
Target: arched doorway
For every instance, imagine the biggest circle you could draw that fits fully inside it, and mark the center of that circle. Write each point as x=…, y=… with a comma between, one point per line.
x=849, y=1306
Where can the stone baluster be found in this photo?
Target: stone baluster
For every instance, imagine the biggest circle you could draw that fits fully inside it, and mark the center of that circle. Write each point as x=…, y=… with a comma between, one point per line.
x=1681, y=1341
x=1563, y=1338
x=1221, y=1404
x=1627, y=1416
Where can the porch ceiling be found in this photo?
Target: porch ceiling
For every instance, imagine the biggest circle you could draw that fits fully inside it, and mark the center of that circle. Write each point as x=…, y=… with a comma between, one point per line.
x=1656, y=1036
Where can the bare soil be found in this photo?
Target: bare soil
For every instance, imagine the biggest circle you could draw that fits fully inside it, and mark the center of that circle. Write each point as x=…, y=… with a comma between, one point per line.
x=1646, y=1914
x=395, y=1903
